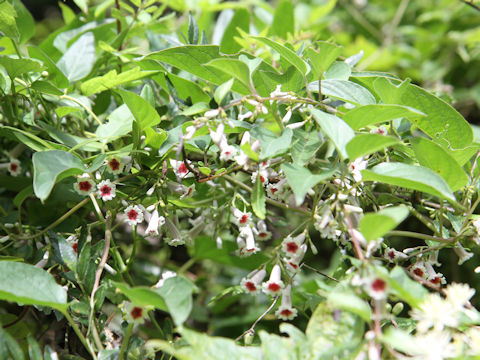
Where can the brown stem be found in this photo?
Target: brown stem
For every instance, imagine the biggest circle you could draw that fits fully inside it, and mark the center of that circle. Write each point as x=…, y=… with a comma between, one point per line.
x=251, y=330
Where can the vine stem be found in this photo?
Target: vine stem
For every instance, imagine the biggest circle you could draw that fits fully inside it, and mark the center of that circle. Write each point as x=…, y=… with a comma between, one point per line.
x=80, y=335
x=92, y=114
x=252, y=328
x=419, y=236
x=125, y=341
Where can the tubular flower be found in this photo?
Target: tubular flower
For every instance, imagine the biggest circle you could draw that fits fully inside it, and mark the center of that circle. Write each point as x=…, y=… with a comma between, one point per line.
x=14, y=167
x=241, y=218
x=84, y=185
x=106, y=190
x=291, y=246
x=261, y=231
x=252, y=283
x=293, y=263
x=155, y=222
x=133, y=215
x=286, y=311
x=274, y=284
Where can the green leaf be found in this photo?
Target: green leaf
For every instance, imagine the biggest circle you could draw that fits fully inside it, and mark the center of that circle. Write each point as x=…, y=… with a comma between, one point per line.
x=321, y=60
x=234, y=68
x=347, y=300
x=17, y=67
x=29, y=285
x=188, y=89
x=258, y=199
x=59, y=76
x=305, y=145
x=241, y=19
x=344, y=90
x=301, y=180
x=144, y=113
x=8, y=24
x=365, y=144
x=196, y=108
x=339, y=70
x=442, y=123
x=72, y=141
x=405, y=288
x=11, y=344
x=336, y=129
x=433, y=156
x=143, y=296
x=400, y=340
x=363, y=116
x=78, y=61
x=285, y=53
x=277, y=145
x=112, y=79
x=410, y=177
x=46, y=88
x=177, y=293
x=48, y=166
x=119, y=123
x=24, y=21
x=222, y=90
x=375, y=225
x=34, y=351
x=283, y=20
x=192, y=30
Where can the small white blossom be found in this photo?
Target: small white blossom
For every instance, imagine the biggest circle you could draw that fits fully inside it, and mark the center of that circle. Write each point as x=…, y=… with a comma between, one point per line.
x=435, y=312
x=274, y=285
x=291, y=246
x=133, y=215
x=84, y=185
x=252, y=282
x=356, y=168
x=286, y=311
x=115, y=165
x=463, y=255
x=261, y=231
x=458, y=295
x=14, y=167
x=241, y=218
x=155, y=222
x=106, y=190
x=165, y=275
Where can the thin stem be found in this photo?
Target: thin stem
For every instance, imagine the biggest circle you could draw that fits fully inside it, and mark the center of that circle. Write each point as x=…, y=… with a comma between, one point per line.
x=92, y=114
x=319, y=272
x=251, y=330
x=80, y=335
x=419, y=236
x=125, y=341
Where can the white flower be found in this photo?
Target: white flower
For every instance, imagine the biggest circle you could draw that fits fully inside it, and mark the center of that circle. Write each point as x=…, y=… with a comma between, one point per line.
x=247, y=115
x=458, y=295
x=418, y=269
x=241, y=218
x=115, y=165
x=261, y=231
x=190, y=131
x=277, y=190
x=393, y=255
x=434, y=345
x=211, y=113
x=246, y=233
x=217, y=136
x=377, y=288
x=263, y=176
x=251, y=283
x=135, y=314
x=463, y=255
x=180, y=168
x=356, y=167
x=274, y=284
x=227, y=152
x=434, y=312
x=155, y=222
x=84, y=185
x=106, y=190
x=291, y=246
x=165, y=275
x=286, y=311
x=326, y=224
x=381, y=130
x=14, y=167
x=293, y=263
x=133, y=215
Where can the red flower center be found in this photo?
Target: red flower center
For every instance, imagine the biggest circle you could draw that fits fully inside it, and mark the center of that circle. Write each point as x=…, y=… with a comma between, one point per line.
x=263, y=235
x=114, y=164
x=292, y=247
x=182, y=169
x=379, y=285
x=136, y=313
x=84, y=185
x=262, y=179
x=13, y=167
x=75, y=247
x=293, y=265
x=286, y=312
x=419, y=272
x=391, y=254
x=132, y=214
x=273, y=287
x=250, y=285
x=273, y=190
x=243, y=219
x=436, y=280
x=106, y=190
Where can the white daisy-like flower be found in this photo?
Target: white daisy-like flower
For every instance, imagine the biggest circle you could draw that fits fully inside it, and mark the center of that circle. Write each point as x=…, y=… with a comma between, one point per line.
x=435, y=312
x=291, y=246
x=133, y=215
x=106, y=190
x=84, y=185
x=14, y=167
x=274, y=285
x=115, y=165
x=286, y=311
x=252, y=282
x=458, y=295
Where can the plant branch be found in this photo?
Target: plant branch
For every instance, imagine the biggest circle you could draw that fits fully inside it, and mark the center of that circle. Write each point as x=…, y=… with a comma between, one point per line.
x=251, y=330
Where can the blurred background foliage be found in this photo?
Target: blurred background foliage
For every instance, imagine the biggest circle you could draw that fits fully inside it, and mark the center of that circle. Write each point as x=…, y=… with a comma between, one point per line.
x=436, y=43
